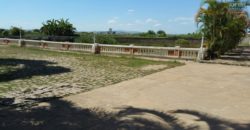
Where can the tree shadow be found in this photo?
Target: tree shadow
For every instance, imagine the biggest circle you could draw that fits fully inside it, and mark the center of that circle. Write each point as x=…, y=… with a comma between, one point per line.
x=13, y=69
x=213, y=122
x=63, y=115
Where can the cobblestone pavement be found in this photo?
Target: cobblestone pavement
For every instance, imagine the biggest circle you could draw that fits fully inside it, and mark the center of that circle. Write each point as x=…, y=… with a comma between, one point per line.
x=49, y=74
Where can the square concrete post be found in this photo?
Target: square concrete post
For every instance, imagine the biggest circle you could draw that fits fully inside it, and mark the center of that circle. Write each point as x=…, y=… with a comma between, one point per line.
x=21, y=43
x=177, y=51
x=201, y=54
x=96, y=49
x=131, y=48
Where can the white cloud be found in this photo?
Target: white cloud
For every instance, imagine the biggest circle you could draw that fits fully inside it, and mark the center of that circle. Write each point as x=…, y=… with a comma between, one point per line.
x=131, y=11
x=113, y=20
x=184, y=23
x=130, y=24
x=150, y=20
x=138, y=22
x=153, y=22
x=182, y=20
x=149, y=23
x=157, y=25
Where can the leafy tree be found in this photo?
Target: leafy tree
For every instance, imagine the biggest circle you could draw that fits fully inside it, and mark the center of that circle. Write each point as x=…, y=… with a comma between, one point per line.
x=58, y=28
x=65, y=28
x=151, y=33
x=4, y=33
x=161, y=33
x=50, y=27
x=1, y=30
x=15, y=31
x=223, y=27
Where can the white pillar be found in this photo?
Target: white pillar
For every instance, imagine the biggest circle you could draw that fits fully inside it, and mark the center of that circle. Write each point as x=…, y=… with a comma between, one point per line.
x=21, y=43
x=96, y=48
x=201, y=51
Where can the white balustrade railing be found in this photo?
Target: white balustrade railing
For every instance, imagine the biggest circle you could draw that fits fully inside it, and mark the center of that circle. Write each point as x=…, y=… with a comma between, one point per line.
x=7, y=41
x=117, y=49
x=168, y=52
x=49, y=45
x=33, y=43
x=165, y=52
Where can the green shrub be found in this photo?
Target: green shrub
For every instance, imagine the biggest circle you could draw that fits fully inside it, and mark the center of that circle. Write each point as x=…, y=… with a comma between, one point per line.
x=85, y=38
x=105, y=39
x=182, y=43
x=100, y=38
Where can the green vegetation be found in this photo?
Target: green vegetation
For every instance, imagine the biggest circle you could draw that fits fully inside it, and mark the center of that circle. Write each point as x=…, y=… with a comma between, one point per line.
x=161, y=33
x=34, y=34
x=153, y=34
x=5, y=33
x=105, y=39
x=195, y=35
x=15, y=31
x=85, y=38
x=100, y=38
x=222, y=26
x=182, y=43
x=245, y=41
x=58, y=28
x=22, y=68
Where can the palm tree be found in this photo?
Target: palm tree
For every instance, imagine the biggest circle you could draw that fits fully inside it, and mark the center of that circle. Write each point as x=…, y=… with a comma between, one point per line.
x=58, y=28
x=212, y=19
x=50, y=27
x=222, y=27
x=65, y=28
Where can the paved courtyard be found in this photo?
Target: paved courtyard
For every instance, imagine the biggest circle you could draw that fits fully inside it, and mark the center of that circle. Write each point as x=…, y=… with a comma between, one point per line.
x=191, y=97
x=218, y=91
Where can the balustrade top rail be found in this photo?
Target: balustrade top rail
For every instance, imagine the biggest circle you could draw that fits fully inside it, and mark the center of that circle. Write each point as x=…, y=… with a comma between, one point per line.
x=149, y=47
x=167, y=52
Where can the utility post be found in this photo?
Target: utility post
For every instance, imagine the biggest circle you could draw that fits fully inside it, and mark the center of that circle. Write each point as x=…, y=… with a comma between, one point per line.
x=95, y=47
x=21, y=42
x=20, y=33
x=94, y=38
x=201, y=52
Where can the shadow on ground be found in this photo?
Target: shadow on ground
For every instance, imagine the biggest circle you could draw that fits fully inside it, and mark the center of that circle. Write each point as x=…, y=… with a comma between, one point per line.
x=63, y=115
x=12, y=69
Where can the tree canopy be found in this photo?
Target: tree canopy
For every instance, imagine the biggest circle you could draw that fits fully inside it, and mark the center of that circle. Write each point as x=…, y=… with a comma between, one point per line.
x=15, y=31
x=161, y=33
x=153, y=34
x=58, y=28
x=223, y=27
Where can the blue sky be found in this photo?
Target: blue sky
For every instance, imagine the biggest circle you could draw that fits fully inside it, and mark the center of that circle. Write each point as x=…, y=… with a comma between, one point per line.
x=173, y=16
